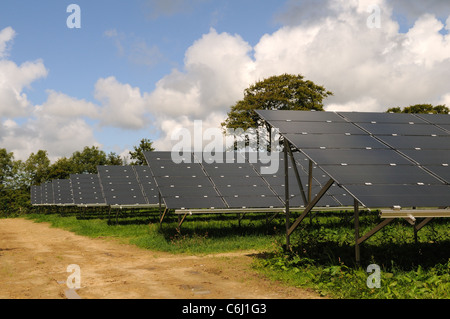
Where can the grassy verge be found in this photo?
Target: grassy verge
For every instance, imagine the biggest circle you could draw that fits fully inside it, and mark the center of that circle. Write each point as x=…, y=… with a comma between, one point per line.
x=322, y=253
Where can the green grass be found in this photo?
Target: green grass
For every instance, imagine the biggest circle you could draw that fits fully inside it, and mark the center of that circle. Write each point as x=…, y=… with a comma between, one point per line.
x=321, y=256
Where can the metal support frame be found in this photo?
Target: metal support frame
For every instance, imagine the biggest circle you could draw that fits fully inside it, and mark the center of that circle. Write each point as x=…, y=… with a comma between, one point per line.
x=420, y=225
x=311, y=205
x=286, y=191
x=297, y=175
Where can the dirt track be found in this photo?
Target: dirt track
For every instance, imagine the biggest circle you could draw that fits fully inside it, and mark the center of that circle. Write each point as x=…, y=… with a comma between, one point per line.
x=34, y=259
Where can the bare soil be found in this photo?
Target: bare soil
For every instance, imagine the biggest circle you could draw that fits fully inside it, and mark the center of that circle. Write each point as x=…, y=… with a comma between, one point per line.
x=34, y=258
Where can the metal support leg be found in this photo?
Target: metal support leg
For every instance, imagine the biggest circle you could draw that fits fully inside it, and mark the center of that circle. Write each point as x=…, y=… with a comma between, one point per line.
x=356, y=218
x=419, y=226
x=311, y=205
x=286, y=193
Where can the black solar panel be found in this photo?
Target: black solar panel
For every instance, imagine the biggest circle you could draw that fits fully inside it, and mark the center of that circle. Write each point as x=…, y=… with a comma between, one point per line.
x=316, y=127
x=429, y=157
x=47, y=194
x=86, y=189
x=397, y=159
x=374, y=117
x=346, y=141
x=379, y=174
x=283, y=115
x=36, y=195
x=147, y=183
x=356, y=156
x=435, y=118
x=120, y=185
x=62, y=189
x=206, y=185
x=401, y=195
x=417, y=142
x=402, y=129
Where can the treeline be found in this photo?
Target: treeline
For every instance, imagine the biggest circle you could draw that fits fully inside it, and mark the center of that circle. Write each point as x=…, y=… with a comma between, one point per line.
x=17, y=176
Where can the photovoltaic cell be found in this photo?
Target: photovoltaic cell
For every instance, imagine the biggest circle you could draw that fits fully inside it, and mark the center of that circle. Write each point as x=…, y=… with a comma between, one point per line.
x=429, y=157
x=376, y=117
x=357, y=156
x=417, y=142
x=402, y=129
x=379, y=174
x=435, y=118
x=346, y=141
x=310, y=116
x=401, y=195
x=316, y=127
x=442, y=171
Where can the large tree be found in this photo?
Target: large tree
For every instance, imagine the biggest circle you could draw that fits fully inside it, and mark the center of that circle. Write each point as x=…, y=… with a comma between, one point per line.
x=37, y=167
x=421, y=108
x=88, y=160
x=6, y=167
x=138, y=155
x=282, y=92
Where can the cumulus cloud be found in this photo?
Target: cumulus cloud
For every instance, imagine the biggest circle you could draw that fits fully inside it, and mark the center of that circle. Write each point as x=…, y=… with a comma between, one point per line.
x=368, y=69
x=121, y=105
x=218, y=67
x=13, y=79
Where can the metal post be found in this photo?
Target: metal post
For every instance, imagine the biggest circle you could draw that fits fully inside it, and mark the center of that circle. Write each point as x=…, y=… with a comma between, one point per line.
x=310, y=187
x=297, y=176
x=356, y=212
x=159, y=195
x=286, y=193
x=310, y=180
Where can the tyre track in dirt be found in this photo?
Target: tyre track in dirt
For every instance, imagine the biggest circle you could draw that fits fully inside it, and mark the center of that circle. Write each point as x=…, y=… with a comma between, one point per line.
x=34, y=258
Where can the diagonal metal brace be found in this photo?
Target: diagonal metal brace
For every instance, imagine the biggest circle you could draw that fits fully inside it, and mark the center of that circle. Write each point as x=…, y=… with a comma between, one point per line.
x=374, y=230
x=310, y=206
x=297, y=176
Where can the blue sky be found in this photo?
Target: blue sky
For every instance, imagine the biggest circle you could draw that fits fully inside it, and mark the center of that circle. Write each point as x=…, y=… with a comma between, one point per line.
x=145, y=68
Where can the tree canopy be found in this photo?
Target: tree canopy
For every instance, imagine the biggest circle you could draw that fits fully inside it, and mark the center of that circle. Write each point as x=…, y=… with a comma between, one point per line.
x=138, y=155
x=421, y=108
x=281, y=92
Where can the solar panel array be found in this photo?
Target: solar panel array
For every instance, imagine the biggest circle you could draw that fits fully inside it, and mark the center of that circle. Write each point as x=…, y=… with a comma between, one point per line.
x=121, y=186
x=111, y=186
x=382, y=159
x=199, y=182
x=62, y=191
x=87, y=190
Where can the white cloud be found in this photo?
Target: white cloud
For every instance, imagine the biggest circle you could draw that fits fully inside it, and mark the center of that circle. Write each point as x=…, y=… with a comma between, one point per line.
x=6, y=36
x=121, y=105
x=218, y=67
x=183, y=128
x=64, y=106
x=13, y=79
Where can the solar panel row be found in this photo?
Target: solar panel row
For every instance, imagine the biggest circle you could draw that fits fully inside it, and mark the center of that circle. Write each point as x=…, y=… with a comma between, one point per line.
x=382, y=159
x=220, y=184
x=113, y=185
